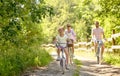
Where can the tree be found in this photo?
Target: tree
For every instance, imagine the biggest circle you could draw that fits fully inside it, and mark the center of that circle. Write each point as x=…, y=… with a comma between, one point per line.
x=21, y=35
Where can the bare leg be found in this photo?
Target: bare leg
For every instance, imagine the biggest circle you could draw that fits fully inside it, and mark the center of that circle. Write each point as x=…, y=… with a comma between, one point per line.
x=102, y=51
x=66, y=53
x=58, y=52
x=73, y=49
x=95, y=47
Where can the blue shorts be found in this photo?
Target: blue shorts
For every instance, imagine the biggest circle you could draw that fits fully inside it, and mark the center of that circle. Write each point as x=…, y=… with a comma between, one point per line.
x=99, y=41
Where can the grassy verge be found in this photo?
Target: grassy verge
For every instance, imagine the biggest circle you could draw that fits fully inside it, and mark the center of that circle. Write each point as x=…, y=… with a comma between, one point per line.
x=112, y=58
x=109, y=57
x=14, y=61
x=78, y=65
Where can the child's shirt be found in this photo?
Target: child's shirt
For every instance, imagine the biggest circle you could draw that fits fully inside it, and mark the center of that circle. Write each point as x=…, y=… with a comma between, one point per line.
x=62, y=41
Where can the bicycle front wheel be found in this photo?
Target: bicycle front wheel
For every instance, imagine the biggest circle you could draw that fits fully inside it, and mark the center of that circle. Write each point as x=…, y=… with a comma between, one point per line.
x=62, y=64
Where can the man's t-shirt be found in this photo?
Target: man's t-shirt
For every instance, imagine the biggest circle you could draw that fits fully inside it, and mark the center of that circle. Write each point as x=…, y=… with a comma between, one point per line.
x=97, y=33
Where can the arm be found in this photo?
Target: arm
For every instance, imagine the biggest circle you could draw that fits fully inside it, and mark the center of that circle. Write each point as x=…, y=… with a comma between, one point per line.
x=104, y=36
x=73, y=33
x=103, y=33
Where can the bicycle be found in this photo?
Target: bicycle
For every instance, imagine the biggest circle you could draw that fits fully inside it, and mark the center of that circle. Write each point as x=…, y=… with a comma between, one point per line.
x=63, y=61
x=98, y=51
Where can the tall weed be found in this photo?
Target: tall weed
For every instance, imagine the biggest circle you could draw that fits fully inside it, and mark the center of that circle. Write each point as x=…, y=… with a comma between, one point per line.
x=14, y=61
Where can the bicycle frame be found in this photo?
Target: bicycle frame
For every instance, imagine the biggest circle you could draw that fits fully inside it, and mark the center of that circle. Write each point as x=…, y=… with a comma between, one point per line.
x=63, y=61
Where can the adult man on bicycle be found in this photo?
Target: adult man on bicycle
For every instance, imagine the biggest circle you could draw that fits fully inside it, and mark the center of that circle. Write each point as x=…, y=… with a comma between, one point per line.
x=98, y=35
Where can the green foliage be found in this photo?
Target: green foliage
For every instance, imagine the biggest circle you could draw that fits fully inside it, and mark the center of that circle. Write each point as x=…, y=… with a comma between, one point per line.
x=78, y=64
x=14, y=61
x=81, y=15
x=26, y=24
x=110, y=9
x=21, y=35
x=109, y=16
x=112, y=58
x=78, y=13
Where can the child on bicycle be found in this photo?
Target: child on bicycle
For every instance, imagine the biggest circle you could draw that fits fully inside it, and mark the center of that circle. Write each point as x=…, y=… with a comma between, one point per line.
x=72, y=36
x=62, y=41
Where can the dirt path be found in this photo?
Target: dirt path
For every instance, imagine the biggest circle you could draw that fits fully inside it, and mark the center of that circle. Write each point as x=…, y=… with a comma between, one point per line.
x=53, y=69
x=88, y=68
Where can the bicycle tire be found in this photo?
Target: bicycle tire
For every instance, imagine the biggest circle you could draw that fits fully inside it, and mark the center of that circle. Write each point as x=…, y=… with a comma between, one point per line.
x=98, y=55
x=98, y=59
x=62, y=64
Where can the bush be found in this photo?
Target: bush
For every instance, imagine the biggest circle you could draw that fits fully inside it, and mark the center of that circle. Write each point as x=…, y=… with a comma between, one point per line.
x=14, y=61
x=112, y=58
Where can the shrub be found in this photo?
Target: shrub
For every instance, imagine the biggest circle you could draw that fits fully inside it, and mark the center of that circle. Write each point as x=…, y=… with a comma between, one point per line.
x=112, y=58
x=14, y=61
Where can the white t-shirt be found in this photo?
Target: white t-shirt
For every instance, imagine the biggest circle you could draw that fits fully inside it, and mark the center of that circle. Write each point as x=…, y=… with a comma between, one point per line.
x=62, y=40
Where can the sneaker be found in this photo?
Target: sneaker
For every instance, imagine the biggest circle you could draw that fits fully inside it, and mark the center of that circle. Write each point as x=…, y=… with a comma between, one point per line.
x=67, y=67
x=58, y=59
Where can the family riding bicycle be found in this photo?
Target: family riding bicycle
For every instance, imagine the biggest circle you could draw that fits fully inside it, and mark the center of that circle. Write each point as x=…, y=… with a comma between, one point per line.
x=65, y=39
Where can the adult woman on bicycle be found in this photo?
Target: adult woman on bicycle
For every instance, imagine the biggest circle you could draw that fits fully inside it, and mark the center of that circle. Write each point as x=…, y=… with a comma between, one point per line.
x=72, y=36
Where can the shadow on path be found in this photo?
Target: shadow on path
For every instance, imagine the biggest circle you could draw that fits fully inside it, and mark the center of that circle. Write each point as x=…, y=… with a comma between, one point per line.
x=53, y=69
x=91, y=68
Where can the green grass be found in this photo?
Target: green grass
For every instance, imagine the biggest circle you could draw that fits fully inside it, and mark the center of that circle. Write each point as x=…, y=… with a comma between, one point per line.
x=77, y=62
x=78, y=65
x=112, y=58
x=14, y=61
